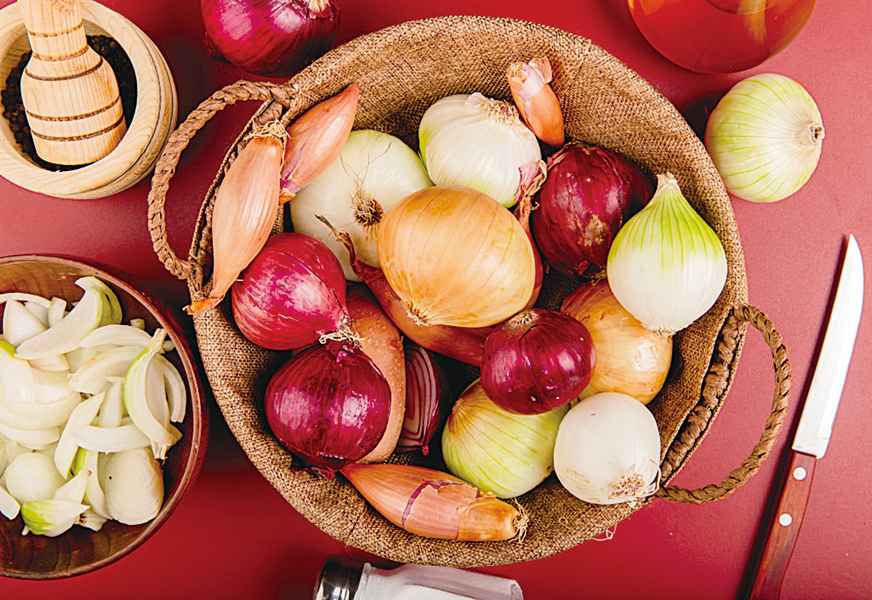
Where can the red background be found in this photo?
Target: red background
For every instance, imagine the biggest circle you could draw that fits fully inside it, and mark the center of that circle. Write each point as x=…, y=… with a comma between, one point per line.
x=234, y=537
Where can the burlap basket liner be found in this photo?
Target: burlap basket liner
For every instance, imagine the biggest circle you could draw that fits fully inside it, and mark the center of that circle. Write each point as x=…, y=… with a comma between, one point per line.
x=402, y=70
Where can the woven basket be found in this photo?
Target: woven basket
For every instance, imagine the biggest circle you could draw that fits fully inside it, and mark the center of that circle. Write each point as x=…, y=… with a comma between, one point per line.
x=402, y=70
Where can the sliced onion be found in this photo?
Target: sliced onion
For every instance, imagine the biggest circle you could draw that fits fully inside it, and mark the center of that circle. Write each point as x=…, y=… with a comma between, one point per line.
x=24, y=297
x=51, y=518
x=34, y=415
x=32, y=476
x=135, y=393
x=81, y=416
x=426, y=390
x=56, y=311
x=51, y=387
x=56, y=364
x=38, y=310
x=34, y=439
x=94, y=496
x=156, y=397
x=78, y=357
x=9, y=507
x=19, y=324
x=91, y=377
x=134, y=486
x=116, y=335
x=111, y=439
x=69, y=332
x=138, y=323
x=112, y=410
x=74, y=489
x=91, y=519
x=116, y=314
x=175, y=389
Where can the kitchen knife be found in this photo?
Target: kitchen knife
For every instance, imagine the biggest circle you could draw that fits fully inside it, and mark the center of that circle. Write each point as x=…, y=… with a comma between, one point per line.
x=815, y=425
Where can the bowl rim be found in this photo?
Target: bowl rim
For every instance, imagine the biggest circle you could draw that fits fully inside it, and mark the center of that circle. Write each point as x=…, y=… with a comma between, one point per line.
x=199, y=414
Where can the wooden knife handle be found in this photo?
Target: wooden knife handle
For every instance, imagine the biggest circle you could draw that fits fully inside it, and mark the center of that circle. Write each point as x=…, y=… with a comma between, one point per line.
x=784, y=529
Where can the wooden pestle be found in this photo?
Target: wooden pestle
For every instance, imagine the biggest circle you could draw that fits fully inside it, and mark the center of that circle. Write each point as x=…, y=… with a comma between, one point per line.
x=70, y=93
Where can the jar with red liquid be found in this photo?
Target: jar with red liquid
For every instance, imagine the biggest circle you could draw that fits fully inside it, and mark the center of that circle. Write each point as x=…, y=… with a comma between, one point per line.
x=720, y=36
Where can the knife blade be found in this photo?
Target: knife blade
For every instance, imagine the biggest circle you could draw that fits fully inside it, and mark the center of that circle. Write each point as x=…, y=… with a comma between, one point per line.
x=815, y=426
x=822, y=401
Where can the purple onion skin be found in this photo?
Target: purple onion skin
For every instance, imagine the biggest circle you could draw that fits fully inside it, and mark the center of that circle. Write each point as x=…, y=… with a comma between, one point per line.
x=329, y=405
x=270, y=37
x=589, y=193
x=537, y=361
x=292, y=293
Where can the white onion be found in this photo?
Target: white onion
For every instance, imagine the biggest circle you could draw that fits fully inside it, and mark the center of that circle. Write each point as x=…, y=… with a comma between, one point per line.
x=51, y=518
x=82, y=415
x=477, y=142
x=69, y=331
x=666, y=266
x=765, y=137
x=38, y=310
x=608, y=450
x=90, y=378
x=373, y=173
x=116, y=335
x=9, y=506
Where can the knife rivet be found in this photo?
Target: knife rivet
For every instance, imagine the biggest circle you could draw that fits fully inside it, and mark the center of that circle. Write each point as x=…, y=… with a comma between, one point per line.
x=799, y=473
x=785, y=519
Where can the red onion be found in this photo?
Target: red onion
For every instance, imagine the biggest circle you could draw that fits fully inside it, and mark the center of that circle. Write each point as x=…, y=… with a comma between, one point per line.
x=270, y=37
x=426, y=390
x=537, y=361
x=589, y=193
x=291, y=294
x=329, y=405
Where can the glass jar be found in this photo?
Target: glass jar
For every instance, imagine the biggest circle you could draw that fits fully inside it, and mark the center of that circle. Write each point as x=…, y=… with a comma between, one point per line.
x=720, y=36
x=349, y=580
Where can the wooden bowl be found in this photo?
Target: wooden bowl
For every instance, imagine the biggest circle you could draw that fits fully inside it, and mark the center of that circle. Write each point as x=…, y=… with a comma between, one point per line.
x=80, y=550
x=153, y=121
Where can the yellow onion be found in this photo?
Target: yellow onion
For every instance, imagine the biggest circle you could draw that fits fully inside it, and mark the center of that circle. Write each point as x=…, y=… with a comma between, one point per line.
x=504, y=453
x=454, y=256
x=765, y=137
x=630, y=359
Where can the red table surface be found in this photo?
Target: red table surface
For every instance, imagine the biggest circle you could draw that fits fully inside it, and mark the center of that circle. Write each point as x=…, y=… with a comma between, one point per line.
x=233, y=536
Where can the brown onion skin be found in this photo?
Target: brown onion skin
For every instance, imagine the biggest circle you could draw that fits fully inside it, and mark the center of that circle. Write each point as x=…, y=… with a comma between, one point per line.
x=270, y=37
x=589, y=193
x=465, y=344
x=630, y=358
x=381, y=342
x=328, y=405
x=291, y=294
x=537, y=361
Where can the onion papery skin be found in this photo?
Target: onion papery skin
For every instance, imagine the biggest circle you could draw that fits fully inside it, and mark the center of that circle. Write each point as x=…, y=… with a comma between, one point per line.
x=270, y=37
x=537, y=361
x=765, y=137
x=373, y=173
x=589, y=193
x=500, y=452
x=630, y=358
x=381, y=342
x=329, y=405
x=291, y=294
x=456, y=257
x=667, y=266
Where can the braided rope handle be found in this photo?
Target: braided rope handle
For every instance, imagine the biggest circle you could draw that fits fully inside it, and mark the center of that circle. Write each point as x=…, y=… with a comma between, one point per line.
x=165, y=168
x=714, y=387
